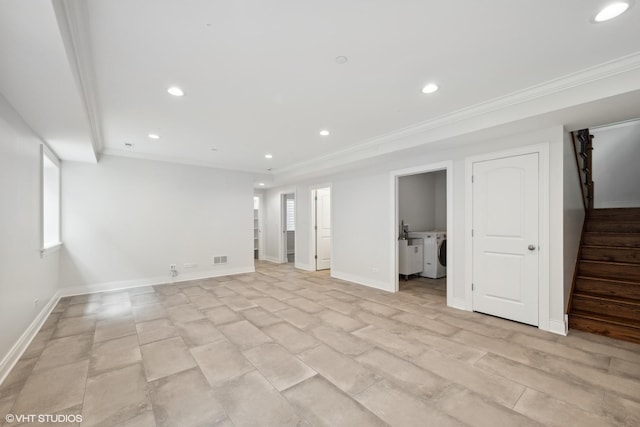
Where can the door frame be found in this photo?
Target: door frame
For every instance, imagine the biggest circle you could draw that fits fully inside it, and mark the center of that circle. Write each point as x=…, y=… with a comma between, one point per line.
x=393, y=237
x=312, y=240
x=542, y=150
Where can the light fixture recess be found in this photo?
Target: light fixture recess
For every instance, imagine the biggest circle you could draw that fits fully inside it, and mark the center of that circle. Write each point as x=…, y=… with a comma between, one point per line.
x=341, y=60
x=611, y=11
x=324, y=132
x=268, y=156
x=430, y=88
x=175, y=91
x=154, y=136
x=261, y=184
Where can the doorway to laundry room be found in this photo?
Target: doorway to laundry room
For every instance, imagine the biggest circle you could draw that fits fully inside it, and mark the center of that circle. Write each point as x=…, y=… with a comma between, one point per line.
x=421, y=229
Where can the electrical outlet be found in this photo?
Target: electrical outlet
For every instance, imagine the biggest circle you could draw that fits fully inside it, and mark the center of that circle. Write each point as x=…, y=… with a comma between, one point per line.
x=173, y=266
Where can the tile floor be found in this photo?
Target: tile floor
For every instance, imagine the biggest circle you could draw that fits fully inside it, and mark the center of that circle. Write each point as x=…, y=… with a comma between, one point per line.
x=286, y=347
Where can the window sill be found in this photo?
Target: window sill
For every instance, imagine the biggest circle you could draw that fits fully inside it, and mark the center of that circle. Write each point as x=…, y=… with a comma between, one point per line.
x=50, y=249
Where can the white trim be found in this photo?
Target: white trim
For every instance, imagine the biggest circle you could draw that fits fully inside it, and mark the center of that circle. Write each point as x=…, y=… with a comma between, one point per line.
x=272, y=259
x=393, y=236
x=542, y=150
x=149, y=281
x=301, y=266
x=377, y=284
x=15, y=353
x=618, y=204
x=559, y=327
x=458, y=303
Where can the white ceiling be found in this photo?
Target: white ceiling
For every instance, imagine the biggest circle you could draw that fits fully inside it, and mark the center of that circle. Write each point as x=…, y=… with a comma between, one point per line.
x=261, y=76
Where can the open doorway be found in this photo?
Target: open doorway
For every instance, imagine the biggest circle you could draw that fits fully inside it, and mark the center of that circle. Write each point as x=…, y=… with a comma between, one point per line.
x=289, y=228
x=423, y=201
x=321, y=227
x=258, y=242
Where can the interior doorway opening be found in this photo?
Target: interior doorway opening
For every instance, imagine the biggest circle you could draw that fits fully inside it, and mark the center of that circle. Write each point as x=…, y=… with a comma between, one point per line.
x=321, y=240
x=423, y=228
x=258, y=242
x=289, y=228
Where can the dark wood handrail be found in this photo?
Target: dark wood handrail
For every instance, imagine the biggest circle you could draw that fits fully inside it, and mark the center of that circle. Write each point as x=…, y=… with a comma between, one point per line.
x=585, y=174
x=575, y=153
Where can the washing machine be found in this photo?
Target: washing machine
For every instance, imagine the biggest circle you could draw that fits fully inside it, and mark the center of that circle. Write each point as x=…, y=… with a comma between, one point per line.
x=435, y=252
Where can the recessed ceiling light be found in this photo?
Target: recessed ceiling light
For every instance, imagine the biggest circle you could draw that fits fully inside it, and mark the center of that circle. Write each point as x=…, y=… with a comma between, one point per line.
x=268, y=156
x=129, y=144
x=214, y=149
x=154, y=136
x=175, y=91
x=341, y=60
x=611, y=11
x=430, y=88
x=261, y=184
x=324, y=132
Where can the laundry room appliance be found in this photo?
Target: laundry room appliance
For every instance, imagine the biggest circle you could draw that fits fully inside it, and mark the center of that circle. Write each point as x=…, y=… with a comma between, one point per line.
x=435, y=252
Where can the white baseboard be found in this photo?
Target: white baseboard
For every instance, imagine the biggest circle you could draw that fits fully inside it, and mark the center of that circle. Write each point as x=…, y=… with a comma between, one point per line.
x=272, y=259
x=559, y=327
x=307, y=267
x=458, y=303
x=136, y=283
x=619, y=204
x=377, y=284
x=12, y=357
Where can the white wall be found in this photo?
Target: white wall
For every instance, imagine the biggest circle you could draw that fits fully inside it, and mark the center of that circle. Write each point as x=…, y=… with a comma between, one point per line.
x=441, y=200
x=422, y=201
x=125, y=220
x=362, y=203
x=24, y=275
x=616, y=170
x=573, y=214
x=416, y=201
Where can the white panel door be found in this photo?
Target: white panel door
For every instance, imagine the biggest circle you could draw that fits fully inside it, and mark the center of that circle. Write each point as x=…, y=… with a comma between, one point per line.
x=323, y=228
x=505, y=238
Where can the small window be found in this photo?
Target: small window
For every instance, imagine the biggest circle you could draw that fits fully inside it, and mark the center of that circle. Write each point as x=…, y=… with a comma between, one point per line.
x=50, y=199
x=291, y=217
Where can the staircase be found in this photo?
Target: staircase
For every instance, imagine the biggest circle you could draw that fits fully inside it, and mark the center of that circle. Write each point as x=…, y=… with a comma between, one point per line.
x=606, y=291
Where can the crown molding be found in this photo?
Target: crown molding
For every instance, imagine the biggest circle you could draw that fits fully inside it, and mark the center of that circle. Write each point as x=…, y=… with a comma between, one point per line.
x=72, y=17
x=440, y=128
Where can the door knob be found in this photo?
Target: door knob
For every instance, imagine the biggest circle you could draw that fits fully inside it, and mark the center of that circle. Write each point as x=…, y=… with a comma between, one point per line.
x=532, y=247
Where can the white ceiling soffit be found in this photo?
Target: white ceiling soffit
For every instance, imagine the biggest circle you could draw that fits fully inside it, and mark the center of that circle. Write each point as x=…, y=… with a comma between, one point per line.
x=36, y=79
x=263, y=77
